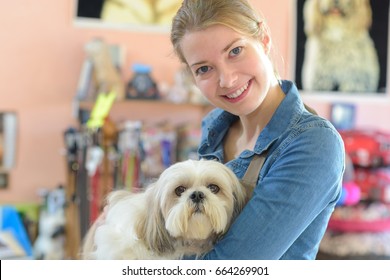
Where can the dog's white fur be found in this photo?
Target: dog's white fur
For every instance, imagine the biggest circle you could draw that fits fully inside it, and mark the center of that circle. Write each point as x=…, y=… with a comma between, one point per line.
x=339, y=52
x=188, y=208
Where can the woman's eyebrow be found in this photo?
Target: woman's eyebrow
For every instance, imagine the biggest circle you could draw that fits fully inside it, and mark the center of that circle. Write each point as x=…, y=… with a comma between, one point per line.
x=198, y=63
x=229, y=45
x=225, y=49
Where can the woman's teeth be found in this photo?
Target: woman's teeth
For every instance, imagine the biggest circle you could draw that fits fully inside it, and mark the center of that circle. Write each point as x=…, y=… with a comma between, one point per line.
x=238, y=92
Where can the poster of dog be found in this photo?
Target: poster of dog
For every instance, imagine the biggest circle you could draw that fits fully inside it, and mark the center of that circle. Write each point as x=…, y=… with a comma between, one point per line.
x=341, y=46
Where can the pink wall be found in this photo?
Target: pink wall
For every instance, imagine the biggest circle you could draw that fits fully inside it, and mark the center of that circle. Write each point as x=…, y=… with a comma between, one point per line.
x=41, y=53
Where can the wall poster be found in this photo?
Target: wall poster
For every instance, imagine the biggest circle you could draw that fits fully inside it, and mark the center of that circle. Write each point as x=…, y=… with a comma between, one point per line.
x=341, y=46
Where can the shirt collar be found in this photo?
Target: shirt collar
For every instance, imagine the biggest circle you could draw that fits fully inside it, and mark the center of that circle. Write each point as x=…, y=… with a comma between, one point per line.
x=286, y=116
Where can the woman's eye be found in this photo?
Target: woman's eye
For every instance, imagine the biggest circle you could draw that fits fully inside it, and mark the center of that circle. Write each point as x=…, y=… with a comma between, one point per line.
x=179, y=190
x=213, y=188
x=202, y=70
x=236, y=51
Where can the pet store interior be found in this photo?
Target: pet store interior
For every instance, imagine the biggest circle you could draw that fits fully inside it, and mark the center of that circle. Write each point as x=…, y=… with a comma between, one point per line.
x=93, y=99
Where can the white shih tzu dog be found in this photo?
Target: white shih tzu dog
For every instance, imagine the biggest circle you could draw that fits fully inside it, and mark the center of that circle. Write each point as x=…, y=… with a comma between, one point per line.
x=188, y=208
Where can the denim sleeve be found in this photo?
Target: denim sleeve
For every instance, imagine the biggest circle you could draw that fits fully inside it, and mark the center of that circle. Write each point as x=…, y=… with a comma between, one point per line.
x=300, y=180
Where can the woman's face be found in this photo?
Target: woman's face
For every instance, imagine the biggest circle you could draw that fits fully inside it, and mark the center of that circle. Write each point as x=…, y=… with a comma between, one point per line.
x=232, y=71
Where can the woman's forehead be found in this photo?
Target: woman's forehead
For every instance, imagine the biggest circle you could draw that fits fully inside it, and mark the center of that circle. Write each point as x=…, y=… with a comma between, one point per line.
x=212, y=41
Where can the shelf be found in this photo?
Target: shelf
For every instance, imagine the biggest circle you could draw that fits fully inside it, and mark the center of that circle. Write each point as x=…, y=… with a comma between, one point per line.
x=87, y=105
x=155, y=111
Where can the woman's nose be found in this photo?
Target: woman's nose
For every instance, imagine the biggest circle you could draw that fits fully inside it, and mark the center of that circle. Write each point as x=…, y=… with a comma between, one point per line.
x=227, y=78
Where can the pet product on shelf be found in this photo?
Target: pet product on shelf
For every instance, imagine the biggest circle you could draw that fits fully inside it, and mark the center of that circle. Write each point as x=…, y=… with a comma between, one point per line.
x=142, y=86
x=50, y=243
x=362, y=230
x=358, y=232
x=14, y=239
x=367, y=147
x=106, y=75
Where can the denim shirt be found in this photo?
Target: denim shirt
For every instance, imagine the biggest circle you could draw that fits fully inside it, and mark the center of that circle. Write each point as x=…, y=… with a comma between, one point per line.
x=296, y=190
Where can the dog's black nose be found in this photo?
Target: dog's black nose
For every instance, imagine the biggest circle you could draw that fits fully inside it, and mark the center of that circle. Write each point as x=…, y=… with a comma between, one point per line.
x=197, y=196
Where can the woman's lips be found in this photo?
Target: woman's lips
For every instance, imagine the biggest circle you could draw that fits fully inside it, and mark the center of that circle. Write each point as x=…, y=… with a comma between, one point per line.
x=238, y=94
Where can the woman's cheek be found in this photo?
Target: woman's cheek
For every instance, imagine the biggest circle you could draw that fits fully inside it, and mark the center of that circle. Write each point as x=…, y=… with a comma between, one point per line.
x=206, y=88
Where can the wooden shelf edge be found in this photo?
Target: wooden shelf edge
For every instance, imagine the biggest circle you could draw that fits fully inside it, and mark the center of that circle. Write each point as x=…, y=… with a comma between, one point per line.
x=88, y=105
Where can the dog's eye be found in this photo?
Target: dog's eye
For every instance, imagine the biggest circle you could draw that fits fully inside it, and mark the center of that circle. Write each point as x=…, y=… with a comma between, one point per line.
x=213, y=188
x=179, y=190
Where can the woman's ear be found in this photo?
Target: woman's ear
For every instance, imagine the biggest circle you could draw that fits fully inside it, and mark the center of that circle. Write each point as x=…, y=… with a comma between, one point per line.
x=266, y=43
x=265, y=37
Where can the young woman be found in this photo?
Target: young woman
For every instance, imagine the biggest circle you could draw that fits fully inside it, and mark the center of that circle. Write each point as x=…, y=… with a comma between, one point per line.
x=226, y=46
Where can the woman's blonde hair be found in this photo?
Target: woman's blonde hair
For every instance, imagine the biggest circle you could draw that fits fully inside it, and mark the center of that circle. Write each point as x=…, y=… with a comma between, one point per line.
x=196, y=15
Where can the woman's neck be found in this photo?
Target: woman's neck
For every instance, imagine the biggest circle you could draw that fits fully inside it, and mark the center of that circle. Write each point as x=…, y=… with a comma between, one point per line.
x=254, y=123
x=243, y=134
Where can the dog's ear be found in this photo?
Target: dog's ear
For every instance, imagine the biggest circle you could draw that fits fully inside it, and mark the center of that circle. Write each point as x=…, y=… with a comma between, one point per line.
x=313, y=19
x=239, y=191
x=151, y=226
x=363, y=17
x=115, y=196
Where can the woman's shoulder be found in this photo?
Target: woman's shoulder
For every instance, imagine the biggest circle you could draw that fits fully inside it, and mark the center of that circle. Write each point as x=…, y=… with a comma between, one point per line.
x=318, y=130
x=311, y=121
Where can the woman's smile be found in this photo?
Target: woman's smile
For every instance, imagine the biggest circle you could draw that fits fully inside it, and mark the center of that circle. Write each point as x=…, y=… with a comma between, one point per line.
x=239, y=94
